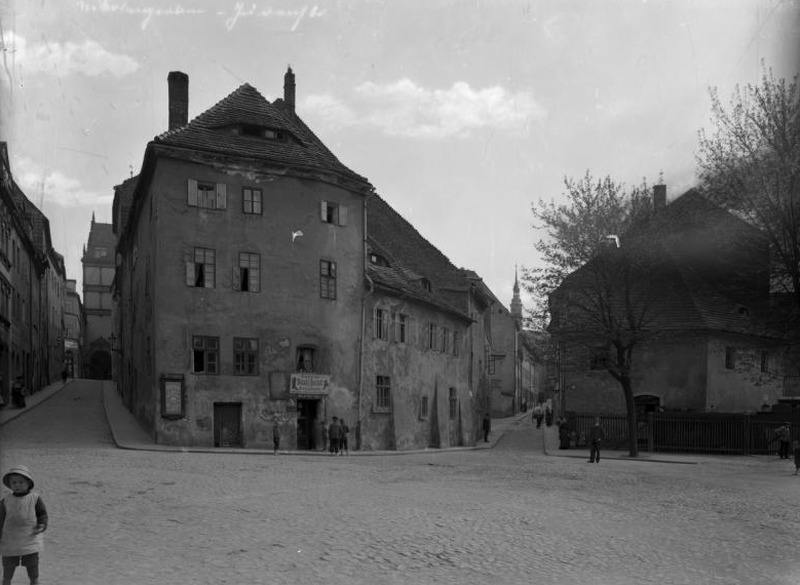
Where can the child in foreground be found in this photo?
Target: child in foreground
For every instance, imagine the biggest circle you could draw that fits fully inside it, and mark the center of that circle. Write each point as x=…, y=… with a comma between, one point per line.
x=23, y=519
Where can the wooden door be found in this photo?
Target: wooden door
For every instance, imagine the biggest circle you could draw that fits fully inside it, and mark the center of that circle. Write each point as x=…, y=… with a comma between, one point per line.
x=227, y=424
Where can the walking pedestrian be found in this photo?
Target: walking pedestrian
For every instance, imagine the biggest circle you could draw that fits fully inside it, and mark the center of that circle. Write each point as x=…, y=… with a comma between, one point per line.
x=64, y=375
x=23, y=519
x=796, y=449
x=343, y=449
x=487, y=426
x=784, y=436
x=538, y=415
x=548, y=417
x=18, y=393
x=596, y=436
x=276, y=438
x=334, y=432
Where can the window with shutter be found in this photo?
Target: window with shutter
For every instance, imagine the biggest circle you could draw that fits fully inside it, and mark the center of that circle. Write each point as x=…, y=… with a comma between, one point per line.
x=222, y=196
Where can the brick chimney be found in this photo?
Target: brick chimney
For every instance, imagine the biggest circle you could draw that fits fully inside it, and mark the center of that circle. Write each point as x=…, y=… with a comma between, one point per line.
x=178, y=84
x=659, y=197
x=288, y=89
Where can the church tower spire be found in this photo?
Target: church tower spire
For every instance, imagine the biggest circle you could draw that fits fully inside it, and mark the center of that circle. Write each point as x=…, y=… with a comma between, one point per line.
x=516, y=302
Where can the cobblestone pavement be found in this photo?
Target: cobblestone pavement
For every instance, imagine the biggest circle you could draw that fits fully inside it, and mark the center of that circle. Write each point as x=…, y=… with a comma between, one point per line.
x=506, y=515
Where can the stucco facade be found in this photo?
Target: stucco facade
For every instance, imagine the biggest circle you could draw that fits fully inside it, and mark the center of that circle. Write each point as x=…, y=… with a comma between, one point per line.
x=707, y=336
x=428, y=373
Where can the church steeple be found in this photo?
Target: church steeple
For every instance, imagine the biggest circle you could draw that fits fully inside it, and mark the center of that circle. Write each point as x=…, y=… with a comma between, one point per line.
x=516, y=302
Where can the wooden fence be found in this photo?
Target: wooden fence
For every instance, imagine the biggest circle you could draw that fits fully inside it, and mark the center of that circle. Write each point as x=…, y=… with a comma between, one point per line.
x=734, y=434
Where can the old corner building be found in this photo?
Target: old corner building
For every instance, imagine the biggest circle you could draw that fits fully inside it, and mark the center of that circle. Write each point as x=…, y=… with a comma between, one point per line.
x=261, y=282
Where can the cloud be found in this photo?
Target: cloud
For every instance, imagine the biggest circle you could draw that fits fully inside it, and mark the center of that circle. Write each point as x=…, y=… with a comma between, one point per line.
x=87, y=58
x=403, y=108
x=57, y=187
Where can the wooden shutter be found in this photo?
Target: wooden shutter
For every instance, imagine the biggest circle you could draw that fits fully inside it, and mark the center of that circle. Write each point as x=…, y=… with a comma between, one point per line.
x=342, y=215
x=323, y=210
x=189, y=273
x=192, y=192
x=237, y=279
x=222, y=196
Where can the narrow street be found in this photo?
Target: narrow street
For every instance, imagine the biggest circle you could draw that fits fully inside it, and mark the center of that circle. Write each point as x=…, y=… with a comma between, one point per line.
x=506, y=515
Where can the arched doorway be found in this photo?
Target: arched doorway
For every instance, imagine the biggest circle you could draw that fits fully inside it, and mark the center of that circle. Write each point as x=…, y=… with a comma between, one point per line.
x=99, y=367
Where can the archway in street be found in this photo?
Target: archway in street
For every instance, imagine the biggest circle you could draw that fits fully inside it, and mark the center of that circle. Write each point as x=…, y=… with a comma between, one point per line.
x=99, y=367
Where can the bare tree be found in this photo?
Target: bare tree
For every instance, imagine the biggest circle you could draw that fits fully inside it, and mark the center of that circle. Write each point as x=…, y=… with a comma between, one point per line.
x=595, y=286
x=750, y=165
x=595, y=210
x=614, y=300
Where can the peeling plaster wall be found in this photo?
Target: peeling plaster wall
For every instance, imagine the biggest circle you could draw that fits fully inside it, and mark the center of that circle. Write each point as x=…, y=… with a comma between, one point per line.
x=672, y=368
x=415, y=372
x=744, y=387
x=287, y=312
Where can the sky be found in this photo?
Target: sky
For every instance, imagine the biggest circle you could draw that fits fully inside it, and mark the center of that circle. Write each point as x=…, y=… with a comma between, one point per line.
x=462, y=114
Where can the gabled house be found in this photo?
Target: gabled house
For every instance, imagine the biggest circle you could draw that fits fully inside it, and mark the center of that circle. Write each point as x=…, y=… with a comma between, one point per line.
x=691, y=285
x=428, y=337
x=260, y=282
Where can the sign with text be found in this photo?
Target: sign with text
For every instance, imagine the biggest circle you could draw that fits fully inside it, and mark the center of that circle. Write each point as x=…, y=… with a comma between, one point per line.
x=316, y=384
x=173, y=397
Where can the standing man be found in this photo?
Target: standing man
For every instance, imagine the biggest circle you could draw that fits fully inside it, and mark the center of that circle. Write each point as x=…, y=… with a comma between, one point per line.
x=596, y=436
x=276, y=438
x=334, y=434
x=487, y=426
x=784, y=436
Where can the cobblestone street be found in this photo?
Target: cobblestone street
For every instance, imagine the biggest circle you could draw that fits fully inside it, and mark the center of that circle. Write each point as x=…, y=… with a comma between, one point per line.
x=505, y=515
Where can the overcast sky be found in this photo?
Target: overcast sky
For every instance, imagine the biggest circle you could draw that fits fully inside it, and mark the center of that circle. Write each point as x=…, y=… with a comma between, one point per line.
x=460, y=113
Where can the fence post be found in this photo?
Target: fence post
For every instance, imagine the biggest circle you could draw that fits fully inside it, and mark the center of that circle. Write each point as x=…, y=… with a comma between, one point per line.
x=650, y=419
x=748, y=434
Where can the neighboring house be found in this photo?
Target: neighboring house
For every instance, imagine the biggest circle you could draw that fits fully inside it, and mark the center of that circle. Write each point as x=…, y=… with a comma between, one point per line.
x=708, y=337
x=98, y=273
x=427, y=340
x=31, y=290
x=245, y=298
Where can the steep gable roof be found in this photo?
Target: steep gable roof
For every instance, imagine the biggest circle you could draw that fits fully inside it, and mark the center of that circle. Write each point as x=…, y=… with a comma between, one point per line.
x=676, y=253
x=213, y=132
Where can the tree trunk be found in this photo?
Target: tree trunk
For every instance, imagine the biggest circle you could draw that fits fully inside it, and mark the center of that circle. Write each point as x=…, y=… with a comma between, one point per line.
x=630, y=406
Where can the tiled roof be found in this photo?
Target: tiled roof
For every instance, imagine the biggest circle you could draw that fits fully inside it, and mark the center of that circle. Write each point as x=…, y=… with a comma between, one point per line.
x=211, y=132
x=396, y=278
x=101, y=235
x=679, y=294
x=397, y=236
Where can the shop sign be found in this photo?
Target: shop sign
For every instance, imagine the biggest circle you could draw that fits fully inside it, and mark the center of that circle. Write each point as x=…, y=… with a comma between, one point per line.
x=309, y=384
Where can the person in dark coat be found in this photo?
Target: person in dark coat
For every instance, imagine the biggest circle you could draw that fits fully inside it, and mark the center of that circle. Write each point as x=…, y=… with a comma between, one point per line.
x=334, y=434
x=563, y=433
x=784, y=436
x=18, y=393
x=596, y=436
x=276, y=438
x=487, y=426
x=548, y=417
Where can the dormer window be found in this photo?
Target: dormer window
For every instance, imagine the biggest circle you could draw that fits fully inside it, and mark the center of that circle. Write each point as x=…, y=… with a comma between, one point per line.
x=378, y=260
x=260, y=132
x=426, y=284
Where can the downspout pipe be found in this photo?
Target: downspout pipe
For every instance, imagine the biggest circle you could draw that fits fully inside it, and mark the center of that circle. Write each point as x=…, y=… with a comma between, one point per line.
x=363, y=331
